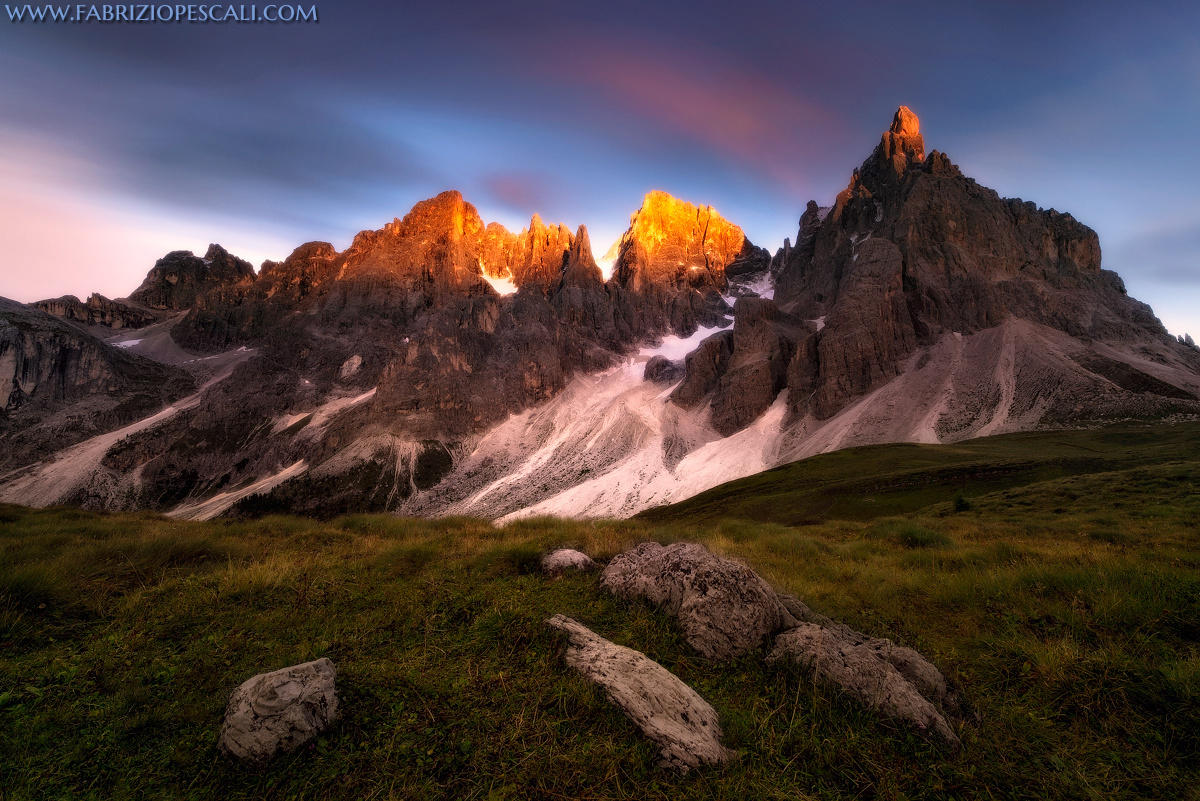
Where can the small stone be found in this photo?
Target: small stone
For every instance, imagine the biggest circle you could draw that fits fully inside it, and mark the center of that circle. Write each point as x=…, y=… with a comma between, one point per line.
x=273, y=713
x=565, y=560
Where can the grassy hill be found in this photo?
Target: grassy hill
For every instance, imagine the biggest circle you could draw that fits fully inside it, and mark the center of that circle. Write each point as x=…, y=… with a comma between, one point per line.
x=871, y=482
x=1061, y=597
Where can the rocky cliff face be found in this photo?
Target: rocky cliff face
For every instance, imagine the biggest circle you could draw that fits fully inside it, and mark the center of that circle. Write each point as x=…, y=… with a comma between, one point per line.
x=920, y=306
x=98, y=310
x=62, y=384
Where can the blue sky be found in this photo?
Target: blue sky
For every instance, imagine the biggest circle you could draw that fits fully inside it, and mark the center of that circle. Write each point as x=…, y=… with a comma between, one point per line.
x=118, y=143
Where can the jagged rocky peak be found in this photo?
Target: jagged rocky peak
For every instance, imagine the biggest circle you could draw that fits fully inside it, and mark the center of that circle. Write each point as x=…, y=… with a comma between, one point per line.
x=437, y=241
x=581, y=267
x=178, y=278
x=541, y=254
x=444, y=240
x=673, y=243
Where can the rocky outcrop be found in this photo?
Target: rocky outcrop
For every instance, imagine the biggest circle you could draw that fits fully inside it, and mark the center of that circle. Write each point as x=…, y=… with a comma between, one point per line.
x=724, y=608
x=178, y=278
x=684, y=726
x=98, y=310
x=277, y=712
x=566, y=560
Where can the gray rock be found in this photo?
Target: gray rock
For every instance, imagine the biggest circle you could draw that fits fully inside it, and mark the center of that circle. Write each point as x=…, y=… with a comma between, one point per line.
x=724, y=608
x=565, y=560
x=684, y=725
x=661, y=370
x=894, y=681
x=273, y=713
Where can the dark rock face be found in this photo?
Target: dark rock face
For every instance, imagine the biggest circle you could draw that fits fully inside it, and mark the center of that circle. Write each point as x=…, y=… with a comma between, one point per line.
x=98, y=310
x=703, y=369
x=661, y=370
x=741, y=372
x=179, y=277
x=62, y=384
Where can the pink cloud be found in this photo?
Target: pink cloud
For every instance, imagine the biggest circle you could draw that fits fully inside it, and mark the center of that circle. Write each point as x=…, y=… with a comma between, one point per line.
x=700, y=96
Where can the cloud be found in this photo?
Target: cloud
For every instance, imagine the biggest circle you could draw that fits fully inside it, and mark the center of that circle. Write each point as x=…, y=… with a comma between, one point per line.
x=698, y=96
x=522, y=192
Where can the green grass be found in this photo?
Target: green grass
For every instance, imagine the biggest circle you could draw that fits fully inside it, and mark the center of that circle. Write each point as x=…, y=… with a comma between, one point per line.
x=881, y=480
x=1065, y=610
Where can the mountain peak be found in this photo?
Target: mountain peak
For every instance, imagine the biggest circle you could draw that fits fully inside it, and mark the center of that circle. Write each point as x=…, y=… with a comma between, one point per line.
x=675, y=243
x=905, y=123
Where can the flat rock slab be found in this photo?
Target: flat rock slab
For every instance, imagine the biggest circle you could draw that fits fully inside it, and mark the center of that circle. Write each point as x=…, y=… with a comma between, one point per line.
x=724, y=608
x=672, y=714
x=892, y=680
x=566, y=560
x=273, y=713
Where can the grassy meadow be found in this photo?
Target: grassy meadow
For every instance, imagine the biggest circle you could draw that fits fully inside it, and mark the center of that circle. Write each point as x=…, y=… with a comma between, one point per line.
x=1054, y=578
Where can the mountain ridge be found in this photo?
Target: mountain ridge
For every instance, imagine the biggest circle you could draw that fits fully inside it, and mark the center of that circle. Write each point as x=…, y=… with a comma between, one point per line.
x=441, y=363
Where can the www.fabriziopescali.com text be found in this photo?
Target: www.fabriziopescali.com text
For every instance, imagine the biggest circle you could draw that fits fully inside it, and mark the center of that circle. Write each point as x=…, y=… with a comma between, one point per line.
x=160, y=13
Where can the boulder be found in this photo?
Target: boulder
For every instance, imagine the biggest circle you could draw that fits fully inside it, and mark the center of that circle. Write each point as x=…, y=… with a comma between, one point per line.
x=897, y=682
x=273, y=713
x=684, y=725
x=724, y=607
x=566, y=560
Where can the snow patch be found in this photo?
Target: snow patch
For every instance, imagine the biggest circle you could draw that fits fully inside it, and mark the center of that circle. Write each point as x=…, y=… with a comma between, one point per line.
x=676, y=347
x=763, y=286
x=129, y=343
x=504, y=286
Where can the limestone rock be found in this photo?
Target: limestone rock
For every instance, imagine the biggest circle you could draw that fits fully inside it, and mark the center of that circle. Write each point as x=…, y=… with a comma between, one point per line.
x=684, y=725
x=894, y=681
x=566, y=560
x=273, y=713
x=724, y=608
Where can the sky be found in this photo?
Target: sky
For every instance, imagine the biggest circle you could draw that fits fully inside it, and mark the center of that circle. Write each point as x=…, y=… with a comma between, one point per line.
x=119, y=143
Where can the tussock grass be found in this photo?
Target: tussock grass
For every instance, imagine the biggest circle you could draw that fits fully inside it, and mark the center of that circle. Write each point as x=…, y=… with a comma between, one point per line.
x=1069, y=625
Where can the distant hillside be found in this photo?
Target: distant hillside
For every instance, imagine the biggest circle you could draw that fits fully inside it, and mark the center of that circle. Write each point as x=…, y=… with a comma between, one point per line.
x=880, y=480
